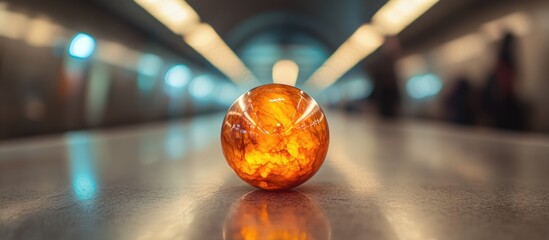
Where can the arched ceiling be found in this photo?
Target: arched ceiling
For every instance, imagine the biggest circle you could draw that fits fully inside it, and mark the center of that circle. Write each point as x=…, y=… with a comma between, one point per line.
x=336, y=19
x=333, y=21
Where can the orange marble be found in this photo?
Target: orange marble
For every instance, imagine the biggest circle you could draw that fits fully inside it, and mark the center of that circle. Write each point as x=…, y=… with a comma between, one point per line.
x=275, y=137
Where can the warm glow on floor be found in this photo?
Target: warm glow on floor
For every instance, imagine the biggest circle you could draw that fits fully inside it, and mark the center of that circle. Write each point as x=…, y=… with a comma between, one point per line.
x=282, y=216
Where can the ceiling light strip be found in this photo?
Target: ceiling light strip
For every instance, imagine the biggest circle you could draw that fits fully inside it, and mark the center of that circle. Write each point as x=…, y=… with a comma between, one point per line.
x=391, y=19
x=363, y=42
x=181, y=19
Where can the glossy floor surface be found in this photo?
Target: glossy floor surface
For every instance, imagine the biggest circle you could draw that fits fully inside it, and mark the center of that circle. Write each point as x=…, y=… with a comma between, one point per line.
x=380, y=181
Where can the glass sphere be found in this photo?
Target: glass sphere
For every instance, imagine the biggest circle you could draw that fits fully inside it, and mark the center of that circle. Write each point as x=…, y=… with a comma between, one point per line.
x=275, y=137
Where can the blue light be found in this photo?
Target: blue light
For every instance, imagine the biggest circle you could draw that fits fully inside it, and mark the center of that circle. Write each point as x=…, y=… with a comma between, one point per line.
x=81, y=159
x=149, y=65
x=202, y=86
x=178, y=76
x=84, y=186
x=82, y=46
x=423, y=86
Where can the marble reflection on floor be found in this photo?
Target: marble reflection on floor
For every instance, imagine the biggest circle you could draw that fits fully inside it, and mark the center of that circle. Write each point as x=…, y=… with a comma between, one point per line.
x=276, y=215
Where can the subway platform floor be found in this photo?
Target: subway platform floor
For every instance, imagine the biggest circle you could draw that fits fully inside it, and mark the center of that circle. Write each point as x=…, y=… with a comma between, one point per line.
x=397, y=180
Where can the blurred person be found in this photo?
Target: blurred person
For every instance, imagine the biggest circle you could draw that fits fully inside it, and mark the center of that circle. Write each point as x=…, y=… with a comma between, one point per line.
x=500, y=101
x=386, y=94
x=459, y=104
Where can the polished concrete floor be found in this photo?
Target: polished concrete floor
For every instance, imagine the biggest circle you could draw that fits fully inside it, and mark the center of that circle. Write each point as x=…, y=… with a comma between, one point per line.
x=400, y=180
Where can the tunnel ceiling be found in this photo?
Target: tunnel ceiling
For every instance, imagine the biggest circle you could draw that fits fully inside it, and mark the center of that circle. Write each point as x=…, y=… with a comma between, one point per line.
x=338, y=19
x=334, y=21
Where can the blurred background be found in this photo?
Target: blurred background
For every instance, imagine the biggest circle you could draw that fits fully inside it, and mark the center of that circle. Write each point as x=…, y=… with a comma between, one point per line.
x=69, y=65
